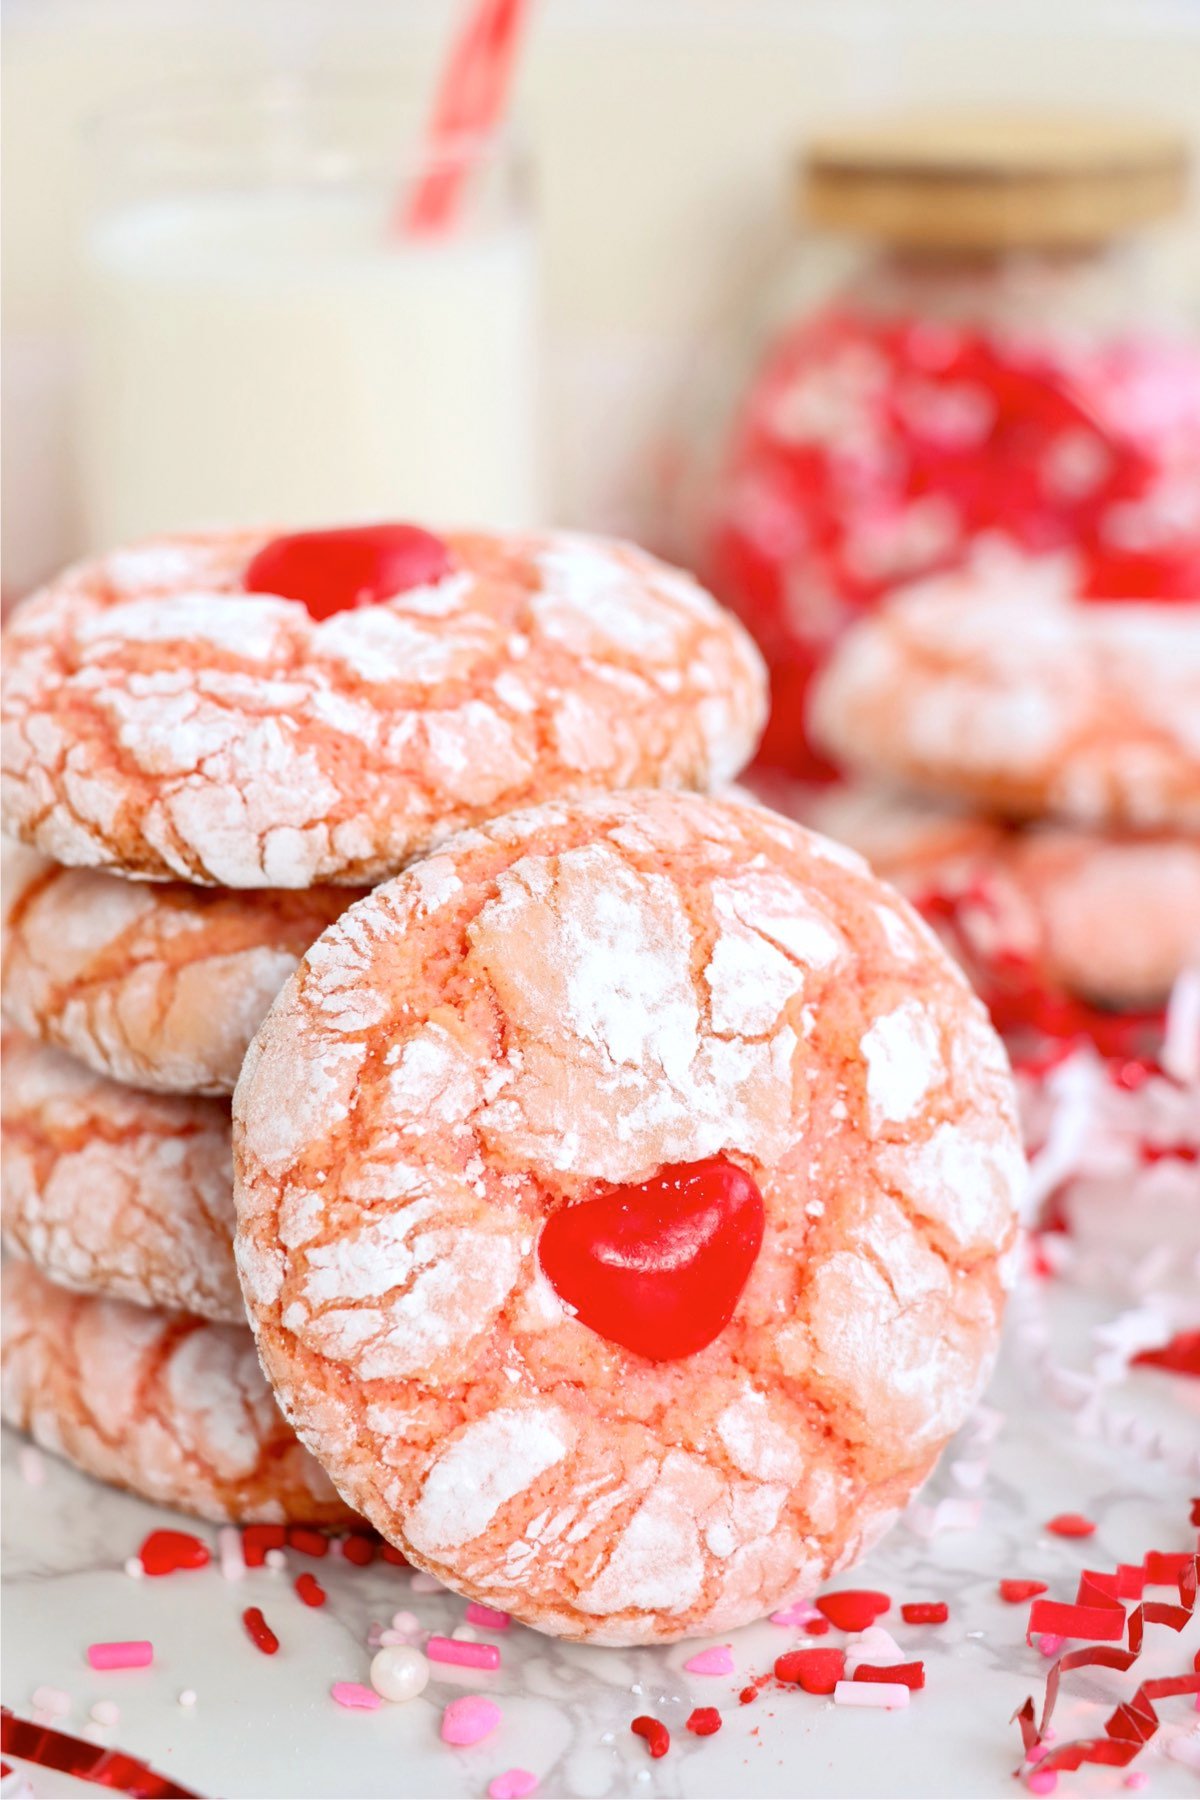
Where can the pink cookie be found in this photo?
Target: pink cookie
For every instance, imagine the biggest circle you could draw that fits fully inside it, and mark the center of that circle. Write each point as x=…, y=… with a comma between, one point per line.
x=161, y=720
x=159, y=984
x=171, y=1408
x=110, y=1190
x=1113, y=919
x=1024, y=703
x=626, y=1197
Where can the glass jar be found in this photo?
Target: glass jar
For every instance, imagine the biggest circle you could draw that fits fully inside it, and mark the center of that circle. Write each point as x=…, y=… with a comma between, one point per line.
x=996, y=381
x=266, y=336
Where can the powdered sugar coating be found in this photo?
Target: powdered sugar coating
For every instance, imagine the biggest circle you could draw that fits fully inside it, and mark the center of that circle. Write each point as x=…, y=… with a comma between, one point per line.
x=160, y=721
x=538, y=1012
x=160, y=984
x=110, y=1190
x=1111, y=917
x=1025, y=702
x=171, y=1408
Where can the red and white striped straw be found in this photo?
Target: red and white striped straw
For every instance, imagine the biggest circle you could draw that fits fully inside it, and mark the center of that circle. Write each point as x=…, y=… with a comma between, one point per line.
x=471, y=101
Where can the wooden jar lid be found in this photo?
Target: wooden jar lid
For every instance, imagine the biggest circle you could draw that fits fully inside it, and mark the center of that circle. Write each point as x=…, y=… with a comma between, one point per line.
x=994, y=180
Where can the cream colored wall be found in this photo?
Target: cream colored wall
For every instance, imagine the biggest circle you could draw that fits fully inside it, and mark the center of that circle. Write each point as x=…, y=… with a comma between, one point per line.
x=663, y=130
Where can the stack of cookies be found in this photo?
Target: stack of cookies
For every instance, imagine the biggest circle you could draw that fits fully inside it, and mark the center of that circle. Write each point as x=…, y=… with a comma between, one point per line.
x=212, y=746
x=1055, y=747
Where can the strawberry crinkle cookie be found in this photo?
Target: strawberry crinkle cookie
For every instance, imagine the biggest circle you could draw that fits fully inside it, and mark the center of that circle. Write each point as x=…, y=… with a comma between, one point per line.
x=1111, y=918
x=1024, y=702
x=626, y=1199
x=241, y=711
x=114, y=1191
x=172, y=1408
x=159, y=984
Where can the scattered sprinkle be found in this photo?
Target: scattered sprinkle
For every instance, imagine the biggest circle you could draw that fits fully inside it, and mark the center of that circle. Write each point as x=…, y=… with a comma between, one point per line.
x=259, y=1632
x=358, y=1549
x=853, y=1609
x=31, y=1465
x=229, y=1550
x=1042, y=1781
x=51, y=1700
x=703, y=1721
x=407, y=1621
x=163, y=1552
x=925, y=1612
x=469, y=1720
x=1048, y=1644
x=717, y=1661
x=816, y=1671
x=132, y=1653
x=477, y=1614
x=1071, y=1525
x=658, y=1738
x=514, y=1784
x=257, y=1540
x=390, y=1554
x=912, y=1674
x=465, y=1656
x=1017, y=1591
x=423, y=1583
x=276, y=1560
x=889, y=1694
x=799, y=1613
x=309, y=1589
x=133, y=1568
x=399, y=1672
x=105, y=1712
x=307, y=1541
x=355, y=1697
x=187, y=1696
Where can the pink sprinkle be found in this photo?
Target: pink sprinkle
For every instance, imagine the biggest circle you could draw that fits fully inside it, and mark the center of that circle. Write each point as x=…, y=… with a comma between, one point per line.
x=136, y=1653
x=1036, y=1754
x=494, y=1621
x=1138, y=1778
x=799, y=1613
x=426, y=1584
x=134, y=1567
x=1048, y=1644
x=1042, y=1781
x=717, y=1661
x=409, y=1622
x=469, y=1720
x=50, y=1700
x=375, y=1635
x=871, y=1693
x=354, y=1695
x=105, y=1712
x=514, y=1784
x=467, y=1656
x=229, y=1549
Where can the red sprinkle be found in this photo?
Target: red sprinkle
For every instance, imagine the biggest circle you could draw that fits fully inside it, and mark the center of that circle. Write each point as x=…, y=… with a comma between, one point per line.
x=853, y=1609
x=816, y=1671
x=910, y=1675
x=1070, y=1525
x=307, y=1541
x=658, y=1738
x=390, y=1554
x=925, y=1612
x=257, y=1540
x=704, y=1720
x=1017, y=1591
x=358, y=1550
x=310, y=1589
x=1180, y=1355
x=260, y=1633
x=165, y=1551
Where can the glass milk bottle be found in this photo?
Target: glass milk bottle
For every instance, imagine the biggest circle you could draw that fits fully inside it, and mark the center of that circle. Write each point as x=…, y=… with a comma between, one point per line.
x=265, y=342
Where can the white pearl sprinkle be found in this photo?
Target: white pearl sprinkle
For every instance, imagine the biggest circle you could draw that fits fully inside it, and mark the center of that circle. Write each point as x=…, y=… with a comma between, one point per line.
x=187, y=1697
x=398, y=1672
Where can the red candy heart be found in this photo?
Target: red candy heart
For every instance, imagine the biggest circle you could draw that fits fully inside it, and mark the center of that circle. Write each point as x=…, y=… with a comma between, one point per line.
x=360, y=565
x=853, y=1609
x=165, y=1551
x=816, y=1671
x=658, y=1267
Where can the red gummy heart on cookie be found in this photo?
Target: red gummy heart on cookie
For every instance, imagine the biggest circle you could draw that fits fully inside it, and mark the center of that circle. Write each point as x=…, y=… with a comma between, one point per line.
x=658, y=1267
x=358, y=565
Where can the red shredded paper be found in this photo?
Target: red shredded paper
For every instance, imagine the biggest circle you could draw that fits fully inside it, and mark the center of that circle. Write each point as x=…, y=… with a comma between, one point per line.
x=1134, y=1722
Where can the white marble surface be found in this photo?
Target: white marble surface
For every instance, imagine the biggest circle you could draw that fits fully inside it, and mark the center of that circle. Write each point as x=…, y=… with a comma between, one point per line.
x=268, y=1727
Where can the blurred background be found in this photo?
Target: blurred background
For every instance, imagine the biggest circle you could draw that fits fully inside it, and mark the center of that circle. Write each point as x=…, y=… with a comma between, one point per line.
x=663, y=138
